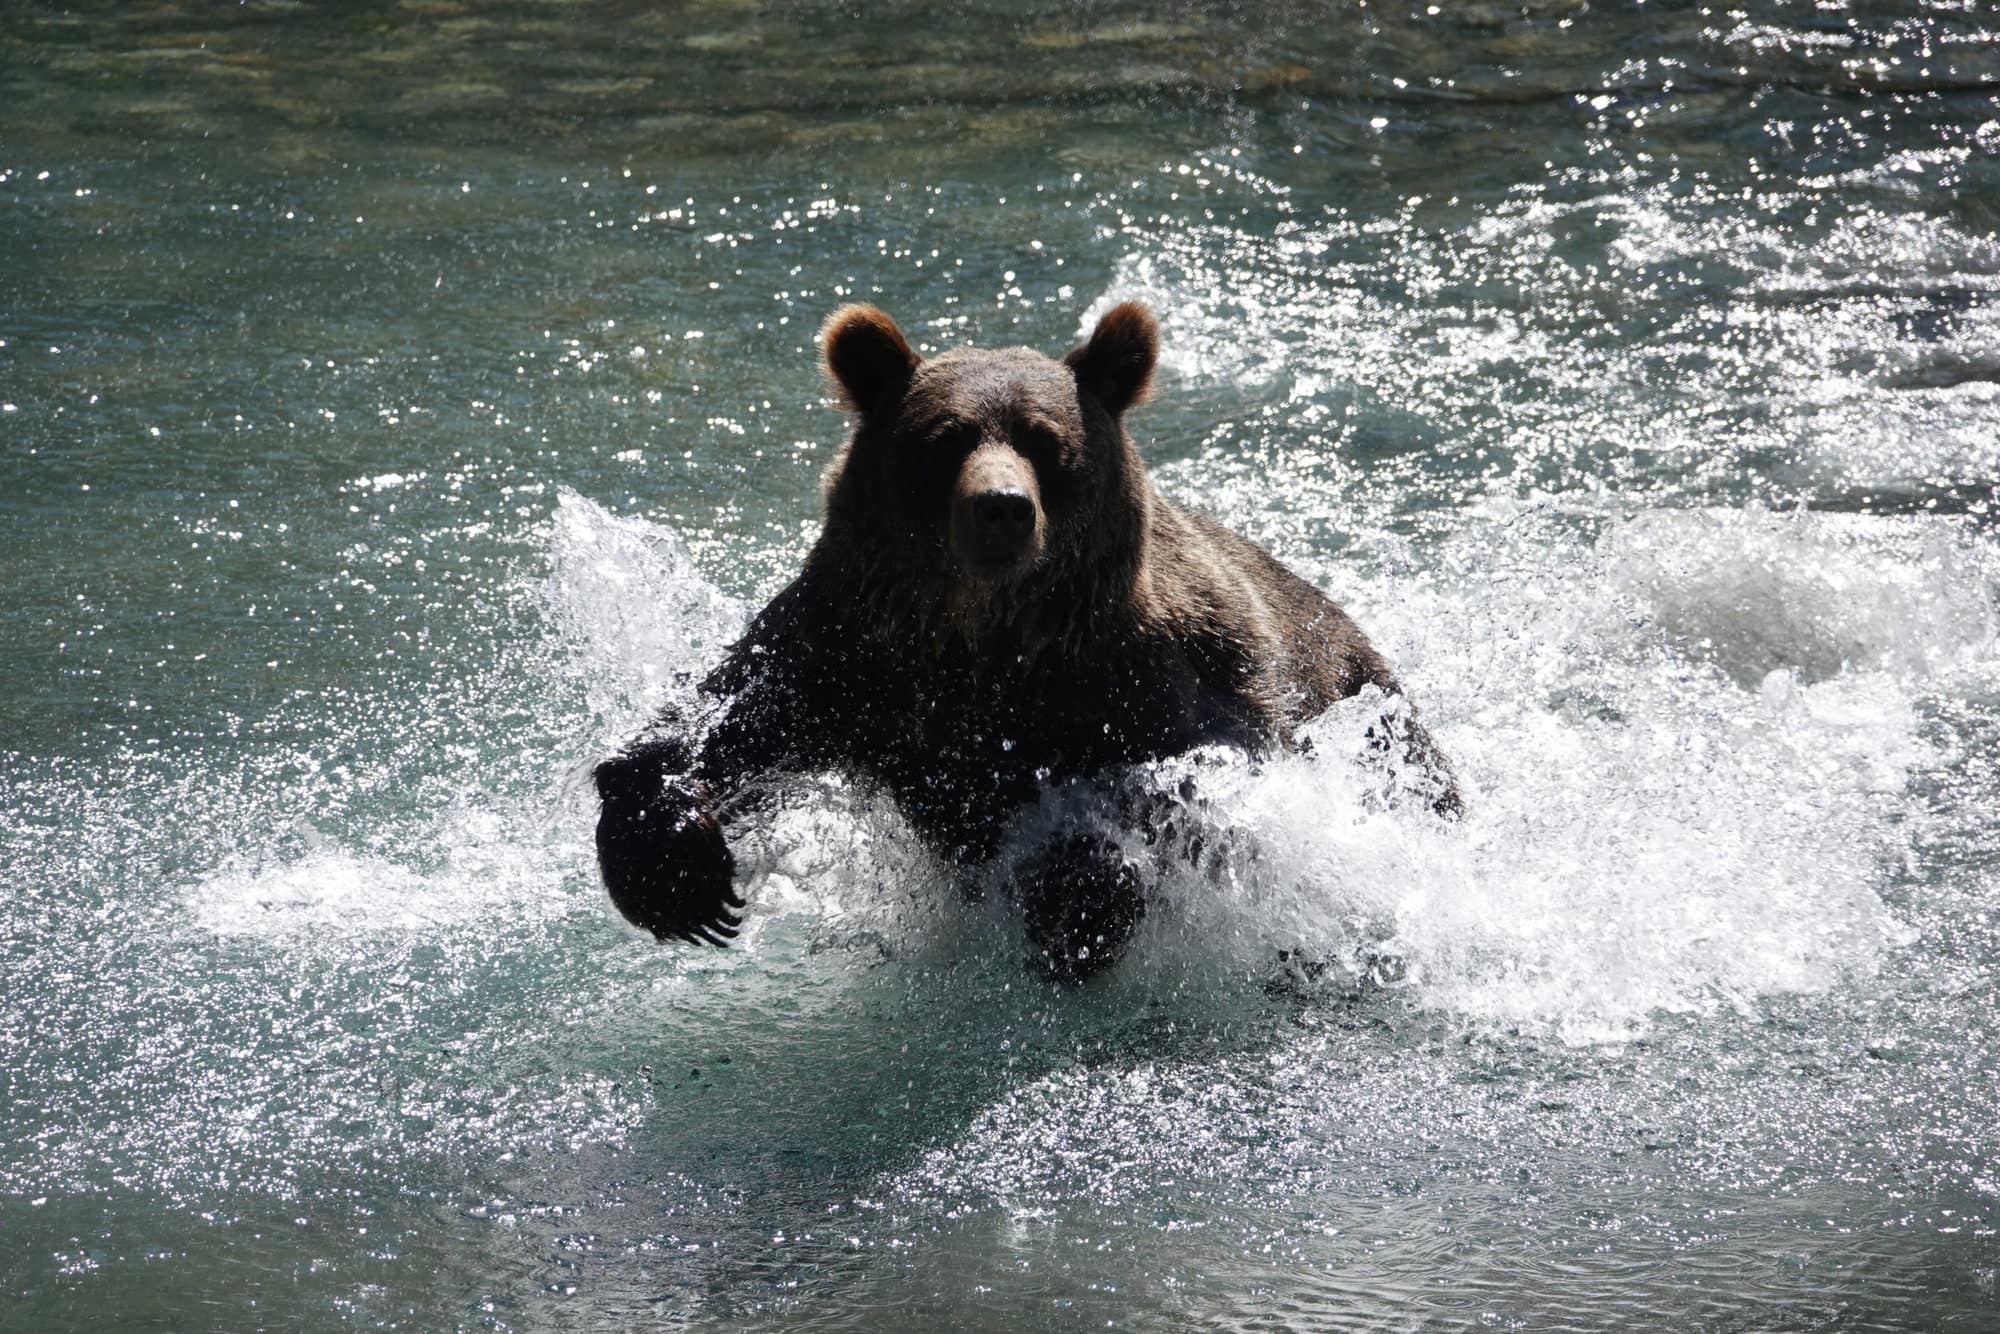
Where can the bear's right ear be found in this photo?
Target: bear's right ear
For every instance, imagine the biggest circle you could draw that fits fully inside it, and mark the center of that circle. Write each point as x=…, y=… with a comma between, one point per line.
x=866, y=357
x=1116, y=364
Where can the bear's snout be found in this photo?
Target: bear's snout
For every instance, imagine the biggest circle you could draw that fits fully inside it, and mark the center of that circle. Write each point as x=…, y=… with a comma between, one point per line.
x=996, y=521
x=995, y=530
x=1003, y=521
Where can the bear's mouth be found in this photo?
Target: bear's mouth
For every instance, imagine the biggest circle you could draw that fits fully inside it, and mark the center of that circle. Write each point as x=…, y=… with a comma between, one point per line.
x=997, y=569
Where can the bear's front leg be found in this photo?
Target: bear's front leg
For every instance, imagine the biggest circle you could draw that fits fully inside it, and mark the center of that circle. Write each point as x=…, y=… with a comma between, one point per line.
x=1080, y=901
x=661, y=848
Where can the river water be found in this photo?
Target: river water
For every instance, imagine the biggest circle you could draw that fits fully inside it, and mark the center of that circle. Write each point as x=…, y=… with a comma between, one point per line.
x=393, y=396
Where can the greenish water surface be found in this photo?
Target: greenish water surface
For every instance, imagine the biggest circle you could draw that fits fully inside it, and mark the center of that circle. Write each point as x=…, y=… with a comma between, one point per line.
x=392, y=396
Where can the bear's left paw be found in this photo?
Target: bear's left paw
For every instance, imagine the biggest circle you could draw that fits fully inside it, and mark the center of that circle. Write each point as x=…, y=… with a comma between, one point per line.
x=1080, y=901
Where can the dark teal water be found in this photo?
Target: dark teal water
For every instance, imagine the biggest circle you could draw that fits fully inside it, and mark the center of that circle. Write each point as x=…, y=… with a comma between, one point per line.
x=391, y=397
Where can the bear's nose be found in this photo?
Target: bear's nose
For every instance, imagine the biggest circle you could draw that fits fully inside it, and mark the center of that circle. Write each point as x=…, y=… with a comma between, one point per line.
x=1003, y=518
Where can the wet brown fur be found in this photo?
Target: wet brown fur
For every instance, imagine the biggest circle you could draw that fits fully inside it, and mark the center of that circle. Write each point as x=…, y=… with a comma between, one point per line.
x=1131, y=568
x=1128, y=629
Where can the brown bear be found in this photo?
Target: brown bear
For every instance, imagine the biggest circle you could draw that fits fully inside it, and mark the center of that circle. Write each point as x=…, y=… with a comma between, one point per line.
x=999, y=600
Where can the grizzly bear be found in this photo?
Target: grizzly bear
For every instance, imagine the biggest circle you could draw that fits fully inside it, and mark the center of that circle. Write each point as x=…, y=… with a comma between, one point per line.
x=999, y=600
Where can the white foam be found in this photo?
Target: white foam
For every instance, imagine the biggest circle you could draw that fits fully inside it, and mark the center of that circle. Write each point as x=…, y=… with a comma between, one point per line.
x=632, y=610
x=1685, y=745
x=1813, y=594
x=1683, y=737
x=480, y=866
x=1683, y=740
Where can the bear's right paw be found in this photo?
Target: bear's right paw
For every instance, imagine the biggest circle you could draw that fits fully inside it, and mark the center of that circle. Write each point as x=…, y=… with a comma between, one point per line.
x=665, y=861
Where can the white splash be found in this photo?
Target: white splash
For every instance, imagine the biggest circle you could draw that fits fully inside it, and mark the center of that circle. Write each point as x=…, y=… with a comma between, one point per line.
x=1812, y=594
x=633, y=613
x=1684, y=745
x=1683, y=738
x=480, y=866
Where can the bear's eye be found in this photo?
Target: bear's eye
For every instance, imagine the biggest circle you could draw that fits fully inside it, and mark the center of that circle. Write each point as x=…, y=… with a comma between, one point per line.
x=941, y=450
x=952, y=435
x=1039, y=441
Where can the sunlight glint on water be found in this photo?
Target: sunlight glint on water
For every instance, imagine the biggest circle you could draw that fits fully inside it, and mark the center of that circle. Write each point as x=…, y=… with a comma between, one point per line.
x=395, y=410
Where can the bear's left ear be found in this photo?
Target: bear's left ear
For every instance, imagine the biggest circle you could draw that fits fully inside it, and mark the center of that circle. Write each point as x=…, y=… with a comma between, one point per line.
x=1116, y=365
x=866, y=357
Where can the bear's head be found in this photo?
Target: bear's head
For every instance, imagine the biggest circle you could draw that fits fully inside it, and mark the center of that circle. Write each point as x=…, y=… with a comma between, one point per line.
x=990, y=488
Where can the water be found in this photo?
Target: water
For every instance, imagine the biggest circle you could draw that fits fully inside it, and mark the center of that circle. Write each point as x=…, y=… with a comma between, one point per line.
x=390, y=400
